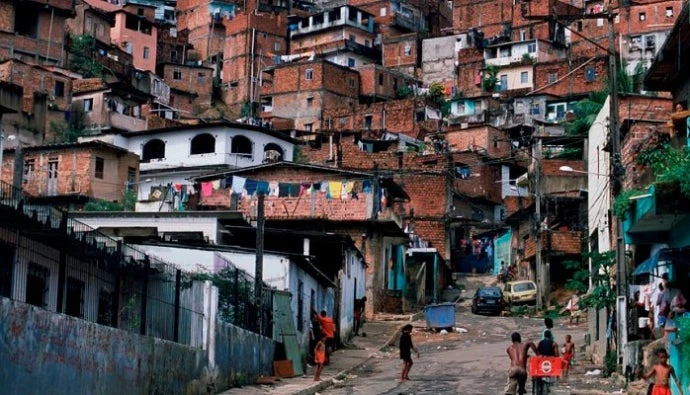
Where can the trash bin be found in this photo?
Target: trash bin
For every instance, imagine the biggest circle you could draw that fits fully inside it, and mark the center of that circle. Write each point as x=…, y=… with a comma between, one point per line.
x=440, y=316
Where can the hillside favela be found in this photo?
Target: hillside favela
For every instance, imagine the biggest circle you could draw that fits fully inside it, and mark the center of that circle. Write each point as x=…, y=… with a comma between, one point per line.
x=336, y=197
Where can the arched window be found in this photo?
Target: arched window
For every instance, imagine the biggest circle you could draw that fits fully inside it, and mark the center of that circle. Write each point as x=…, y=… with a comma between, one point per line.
x=153, y=149
x=273, y=153
x=241, y=145
x=203, y=144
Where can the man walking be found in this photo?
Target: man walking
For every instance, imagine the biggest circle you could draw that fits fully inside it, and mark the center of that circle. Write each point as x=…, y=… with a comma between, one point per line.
x=517, y=374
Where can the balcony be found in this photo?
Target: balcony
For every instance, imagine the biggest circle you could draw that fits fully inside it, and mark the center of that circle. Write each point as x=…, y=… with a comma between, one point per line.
x=556, y=242
x=126, y=122
x=369, y=52
x=658, y=216
x=407, y=22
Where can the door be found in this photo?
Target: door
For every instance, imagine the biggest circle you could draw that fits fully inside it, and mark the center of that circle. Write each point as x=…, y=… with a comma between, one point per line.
x=284, y=329
x=52, y=187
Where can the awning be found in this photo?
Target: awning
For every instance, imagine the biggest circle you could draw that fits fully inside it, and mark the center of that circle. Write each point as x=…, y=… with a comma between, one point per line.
x=651, y=263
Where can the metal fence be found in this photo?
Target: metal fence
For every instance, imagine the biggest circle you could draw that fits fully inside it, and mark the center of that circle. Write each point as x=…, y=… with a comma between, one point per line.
x=237, y=303
x=58, y=263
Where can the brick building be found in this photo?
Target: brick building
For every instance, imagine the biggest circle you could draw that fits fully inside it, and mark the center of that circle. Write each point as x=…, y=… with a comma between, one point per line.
x=189, y=82
x=70, y=174
x=306, y=90
x=33, y=30
x=117, y=106
x=137, y=35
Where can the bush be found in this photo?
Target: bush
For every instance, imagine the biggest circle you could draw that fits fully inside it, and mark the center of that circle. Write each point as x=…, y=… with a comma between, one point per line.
x=610, y=363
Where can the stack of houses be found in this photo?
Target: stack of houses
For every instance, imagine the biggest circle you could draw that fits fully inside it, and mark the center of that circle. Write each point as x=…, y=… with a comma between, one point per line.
x=386, y=145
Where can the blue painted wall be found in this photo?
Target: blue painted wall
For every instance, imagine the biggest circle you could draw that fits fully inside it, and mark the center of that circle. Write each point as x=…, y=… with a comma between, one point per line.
x=44, y=352
x=242, y=356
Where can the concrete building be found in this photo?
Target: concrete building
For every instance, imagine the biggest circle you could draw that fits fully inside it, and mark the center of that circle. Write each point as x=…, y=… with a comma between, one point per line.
x=117, y=106
x=137, y=35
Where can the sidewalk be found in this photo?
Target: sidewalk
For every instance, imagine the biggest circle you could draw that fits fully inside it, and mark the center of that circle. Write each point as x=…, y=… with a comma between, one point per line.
x=343, y=361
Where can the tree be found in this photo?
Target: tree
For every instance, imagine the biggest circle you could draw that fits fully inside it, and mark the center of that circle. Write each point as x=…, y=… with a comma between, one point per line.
x=70, y=131
x=491, y=78
x=81, y=57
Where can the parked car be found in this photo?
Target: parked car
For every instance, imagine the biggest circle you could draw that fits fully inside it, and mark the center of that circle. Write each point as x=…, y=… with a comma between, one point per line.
x=488, y=300
x=520, y=292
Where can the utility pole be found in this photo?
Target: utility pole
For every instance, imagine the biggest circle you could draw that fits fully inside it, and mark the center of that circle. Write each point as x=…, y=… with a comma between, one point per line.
x=259, y=268
x=542, y=292
x=616, y=174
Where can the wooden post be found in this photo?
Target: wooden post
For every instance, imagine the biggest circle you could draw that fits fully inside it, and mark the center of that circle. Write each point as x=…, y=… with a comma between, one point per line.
x=259, y=269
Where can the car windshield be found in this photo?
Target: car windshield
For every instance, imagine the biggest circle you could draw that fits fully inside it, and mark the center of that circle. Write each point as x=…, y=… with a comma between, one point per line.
x=489, y=292
x=523, y=287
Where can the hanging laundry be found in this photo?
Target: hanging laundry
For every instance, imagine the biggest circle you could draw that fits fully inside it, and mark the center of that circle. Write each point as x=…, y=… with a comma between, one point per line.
x=273, y=188
x=324, y=186
x=238, y=184
x=349, y=186
x=250, y=186
x=304, y=188
x=335, y=189
x=262, y=187
x=283, y=189
x=343, y=191
x=206, y=189
x=315, y=187
x=216, y=184
x=366, y=186
x=294, y=190
x=178, y=187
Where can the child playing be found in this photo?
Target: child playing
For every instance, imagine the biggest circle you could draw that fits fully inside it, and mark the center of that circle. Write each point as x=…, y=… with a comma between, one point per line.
x=319, y=357
x=568, y=350
x=661, y=372
x=405, y=351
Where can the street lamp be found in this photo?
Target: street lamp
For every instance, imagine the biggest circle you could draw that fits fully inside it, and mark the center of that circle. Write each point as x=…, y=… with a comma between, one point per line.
x=569, y=169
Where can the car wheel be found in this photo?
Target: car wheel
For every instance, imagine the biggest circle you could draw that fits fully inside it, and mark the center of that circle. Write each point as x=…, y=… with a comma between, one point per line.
x=474, y=310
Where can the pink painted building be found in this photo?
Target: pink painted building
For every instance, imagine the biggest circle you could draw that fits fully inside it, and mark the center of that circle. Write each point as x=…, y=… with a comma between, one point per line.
x=138, y=36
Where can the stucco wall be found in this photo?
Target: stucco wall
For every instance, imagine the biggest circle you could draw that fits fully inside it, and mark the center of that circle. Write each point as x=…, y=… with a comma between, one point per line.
x=43, y=350
x=241, y=356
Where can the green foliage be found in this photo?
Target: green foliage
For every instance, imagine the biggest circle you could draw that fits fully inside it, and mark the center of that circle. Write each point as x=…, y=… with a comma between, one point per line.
x=668, y=164
x=81, y=57
x=437, y=95
x=129, y=200
x=603, y=293
x=298, y=154
x=586, y=111
x=404, y=92
x=630, y=83
x=246, y=110
x=579, y=281
x=526, y=58
x=610, y=363
x=228, y=288
x=623, y=203
x=69, y=132
x=491, y=78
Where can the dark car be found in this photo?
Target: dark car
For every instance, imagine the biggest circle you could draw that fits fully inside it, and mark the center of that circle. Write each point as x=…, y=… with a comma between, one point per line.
x=488, y=300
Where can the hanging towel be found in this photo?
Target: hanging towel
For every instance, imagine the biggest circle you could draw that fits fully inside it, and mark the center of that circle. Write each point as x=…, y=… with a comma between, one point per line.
x=250, y=186
x=283, y=189
x=206, y=189
x=315, y=187
x=366, y=186
x=273, y=188
x=238, y=184
x=324, y=186
x=216, y=184
x=343, y=191
x=349, y=186
x=335, y=189
x=178, y=187
x=294, y=190
x=262, y=187
x=304, y=188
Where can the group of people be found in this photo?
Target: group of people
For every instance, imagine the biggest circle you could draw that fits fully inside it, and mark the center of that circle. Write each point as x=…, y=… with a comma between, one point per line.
x=507, y=273
x=518, y=353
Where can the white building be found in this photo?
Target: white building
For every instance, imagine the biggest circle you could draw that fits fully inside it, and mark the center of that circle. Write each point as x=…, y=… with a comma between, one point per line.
x=172, y=156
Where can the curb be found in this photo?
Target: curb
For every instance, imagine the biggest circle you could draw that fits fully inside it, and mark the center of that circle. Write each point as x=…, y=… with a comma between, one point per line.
x=343, y=373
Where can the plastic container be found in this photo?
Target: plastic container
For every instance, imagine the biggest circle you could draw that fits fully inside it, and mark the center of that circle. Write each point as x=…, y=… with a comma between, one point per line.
x=440, y=316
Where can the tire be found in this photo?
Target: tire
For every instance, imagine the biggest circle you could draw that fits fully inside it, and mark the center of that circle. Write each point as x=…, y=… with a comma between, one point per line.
x=474, y=310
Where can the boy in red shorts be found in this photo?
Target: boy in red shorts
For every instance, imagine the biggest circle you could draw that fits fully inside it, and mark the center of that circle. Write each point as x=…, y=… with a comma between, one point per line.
x=662, y=371
x=568, y=350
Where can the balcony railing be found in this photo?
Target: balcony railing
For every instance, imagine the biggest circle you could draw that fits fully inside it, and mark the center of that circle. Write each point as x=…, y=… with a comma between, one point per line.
x=408, y=22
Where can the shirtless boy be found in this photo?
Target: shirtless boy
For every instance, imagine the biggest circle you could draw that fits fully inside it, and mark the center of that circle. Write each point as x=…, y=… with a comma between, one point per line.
x=568, y=350
x=517, y=374
x=662, y=371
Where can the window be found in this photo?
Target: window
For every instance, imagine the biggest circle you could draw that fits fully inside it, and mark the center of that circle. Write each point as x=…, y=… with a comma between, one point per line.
x=532, y=48
x=173, y=56
x=352, y=38
x=29, y=168
x=590, y=74
x=153, y=149
x=300, y=305
x=579, y=26
x=552, y=77
x=201, y=78
x=524, y=77
x=309, y=74
x=352, y=83
x=146, y=52
x=505, y=52
x=380, y=79
x=37, y=285
x=308, y=127
x=275, y=149
x=669, y=12
x=74, y=298
x=26, y=19
x=177, y=74
x=643, y=16
x=350, y=62
x=59, y=89
x=276, y=46
x=131, y=178
x=100, y=167
x=202, y=144
x=504, y=82
x=88, y=105
x=140, y=11
x=383, y=11
x=367, y=121
x=419, y=116
x=241, y=145
x=408, y=50
x=523, y=34
x=310, y=101
x=395, y=84
x=342, y=121
x=367, y=43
